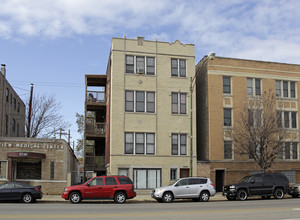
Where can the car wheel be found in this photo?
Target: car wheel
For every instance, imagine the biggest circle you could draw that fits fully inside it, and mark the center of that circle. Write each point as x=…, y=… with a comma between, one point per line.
x=295, y=196
x=278, y=194
x=167, y=197
x=27, y=198
x=120, y=197
x=75, y=197
x=204, y=196
x=230, y=198
x=242, y=195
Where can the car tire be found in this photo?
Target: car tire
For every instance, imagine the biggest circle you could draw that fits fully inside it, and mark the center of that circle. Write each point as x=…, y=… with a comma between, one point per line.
x=75, y=197
x=204, y=196
x=120, y=197
x=167, y=197
x=27, y=198
x=230, y=198
x=242, y=195
x=279, y=193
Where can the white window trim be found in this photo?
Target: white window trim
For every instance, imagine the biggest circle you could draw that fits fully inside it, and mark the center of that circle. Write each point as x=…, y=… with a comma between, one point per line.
x=289, y=89
x=179, y=144
x=145, y=104
x=6, y=169
x=254, y=86
x=145, y=65
x=178, y=68
x=179, y=104
x=145, y=143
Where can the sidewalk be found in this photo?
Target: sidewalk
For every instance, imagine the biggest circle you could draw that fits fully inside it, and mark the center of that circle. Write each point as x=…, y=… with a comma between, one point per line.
x=141, y=197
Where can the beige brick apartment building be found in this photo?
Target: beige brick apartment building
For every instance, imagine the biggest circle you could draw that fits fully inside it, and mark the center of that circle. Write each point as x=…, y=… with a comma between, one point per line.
x=138, y=115
x=222, y=85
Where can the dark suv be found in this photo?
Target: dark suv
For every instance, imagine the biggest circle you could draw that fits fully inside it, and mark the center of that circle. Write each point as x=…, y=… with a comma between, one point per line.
x=262, y=184
x=118, y=188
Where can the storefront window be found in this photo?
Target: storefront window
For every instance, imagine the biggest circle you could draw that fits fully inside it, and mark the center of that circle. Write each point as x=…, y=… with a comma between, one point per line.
x=147, y=178
x=29, y=170
x=3, y=169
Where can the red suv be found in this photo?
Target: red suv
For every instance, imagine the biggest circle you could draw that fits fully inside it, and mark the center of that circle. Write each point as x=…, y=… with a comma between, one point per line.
x=118, y=188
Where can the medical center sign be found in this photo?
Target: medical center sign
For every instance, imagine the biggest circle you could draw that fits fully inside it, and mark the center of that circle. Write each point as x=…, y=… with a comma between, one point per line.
x=43, y=146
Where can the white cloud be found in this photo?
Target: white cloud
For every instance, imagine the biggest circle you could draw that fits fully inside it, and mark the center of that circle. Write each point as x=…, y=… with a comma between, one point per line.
x=251, y=29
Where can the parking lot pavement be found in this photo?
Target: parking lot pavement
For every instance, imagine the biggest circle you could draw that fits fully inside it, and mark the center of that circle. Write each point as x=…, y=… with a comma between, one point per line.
x=141, y=197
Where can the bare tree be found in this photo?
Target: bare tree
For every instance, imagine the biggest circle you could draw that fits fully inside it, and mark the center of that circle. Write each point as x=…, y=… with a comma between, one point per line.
x=45, y=117
x=258, y=131
x=80, y=130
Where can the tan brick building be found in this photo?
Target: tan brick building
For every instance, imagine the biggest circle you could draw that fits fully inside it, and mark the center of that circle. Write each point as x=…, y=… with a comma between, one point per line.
x=50, y=163
x=147, y=125
x=222, y=85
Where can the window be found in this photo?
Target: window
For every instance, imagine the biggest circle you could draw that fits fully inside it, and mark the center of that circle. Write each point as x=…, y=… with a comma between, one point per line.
x=227, y=150
x=14, y=104
x=139, y=143
x=3, y=169
x=253, y=87
x=51, y=170
x=6, y=124
x=227, y=117
x=140, y=65
x=254, y=117
x=13, y=125
x=226, y=85
x=289, y=119
x=110, y=181
x=147, y=178
x=28, y=170
x=173, y=174
x=123, y=171
x=289, y=151
x=140, y=101
x=7, y=94
x=290, y=174
x=286, y=89
x=124, y=180
x=178, y=67
x=18, y=109
x=178, y=103
x=96, y=182
x=179, y=144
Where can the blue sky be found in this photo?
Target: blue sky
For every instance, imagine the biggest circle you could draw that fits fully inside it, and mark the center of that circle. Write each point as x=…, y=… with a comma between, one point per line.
x=54, y=43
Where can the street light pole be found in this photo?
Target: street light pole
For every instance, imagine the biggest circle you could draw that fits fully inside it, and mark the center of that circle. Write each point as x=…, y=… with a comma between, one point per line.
x=211, y=56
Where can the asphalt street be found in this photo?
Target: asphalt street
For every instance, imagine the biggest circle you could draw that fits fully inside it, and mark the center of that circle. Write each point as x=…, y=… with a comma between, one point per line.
x=250, y=209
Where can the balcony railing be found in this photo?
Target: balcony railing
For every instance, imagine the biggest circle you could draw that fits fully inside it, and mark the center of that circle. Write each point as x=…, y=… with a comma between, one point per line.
x=95, y=97
x=97, y=129
x=97, y=162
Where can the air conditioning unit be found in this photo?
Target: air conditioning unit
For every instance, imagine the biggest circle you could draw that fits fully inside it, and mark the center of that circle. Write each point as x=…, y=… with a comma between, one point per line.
x=140, y=71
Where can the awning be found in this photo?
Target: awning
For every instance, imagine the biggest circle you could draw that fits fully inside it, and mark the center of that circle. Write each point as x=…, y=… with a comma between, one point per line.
x=26, y=155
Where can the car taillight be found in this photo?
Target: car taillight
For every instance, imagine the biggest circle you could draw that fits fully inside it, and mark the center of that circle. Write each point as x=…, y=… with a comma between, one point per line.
x=212, y=184
x=36, y=189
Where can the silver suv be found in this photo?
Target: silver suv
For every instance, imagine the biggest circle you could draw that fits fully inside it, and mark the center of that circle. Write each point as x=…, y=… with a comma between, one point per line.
x=196, y=188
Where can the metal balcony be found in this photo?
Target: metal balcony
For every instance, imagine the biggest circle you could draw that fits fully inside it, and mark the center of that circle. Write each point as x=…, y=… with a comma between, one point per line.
x=95, y=129
x=95, y=162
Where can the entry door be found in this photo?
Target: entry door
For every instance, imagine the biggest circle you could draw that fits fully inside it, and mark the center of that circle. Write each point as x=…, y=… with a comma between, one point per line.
x=220, y=180
x=184, y=173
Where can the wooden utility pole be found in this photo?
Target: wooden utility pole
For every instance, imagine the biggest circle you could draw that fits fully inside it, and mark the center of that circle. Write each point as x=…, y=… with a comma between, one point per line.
x=29, y=112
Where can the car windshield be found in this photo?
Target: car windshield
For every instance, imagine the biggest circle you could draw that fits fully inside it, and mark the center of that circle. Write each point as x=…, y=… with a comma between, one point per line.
x=245, y=179
x=172, y=182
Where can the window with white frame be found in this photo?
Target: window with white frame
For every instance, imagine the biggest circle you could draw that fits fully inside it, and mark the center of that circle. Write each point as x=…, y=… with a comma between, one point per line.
x=254, y=117
x=227, y=116
x=140, y=65
x=140, y=101
x=3, y=169
x=173, y=174
x=178, y=103
x=289, y=151
x=227, y=150
x=139, y=143
x=146, y=178
x=179, y=142
x=123, y=172
x=286, y=119
x=226, y=85
x=285, y=89
x=253, y=87
x=178, y=67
